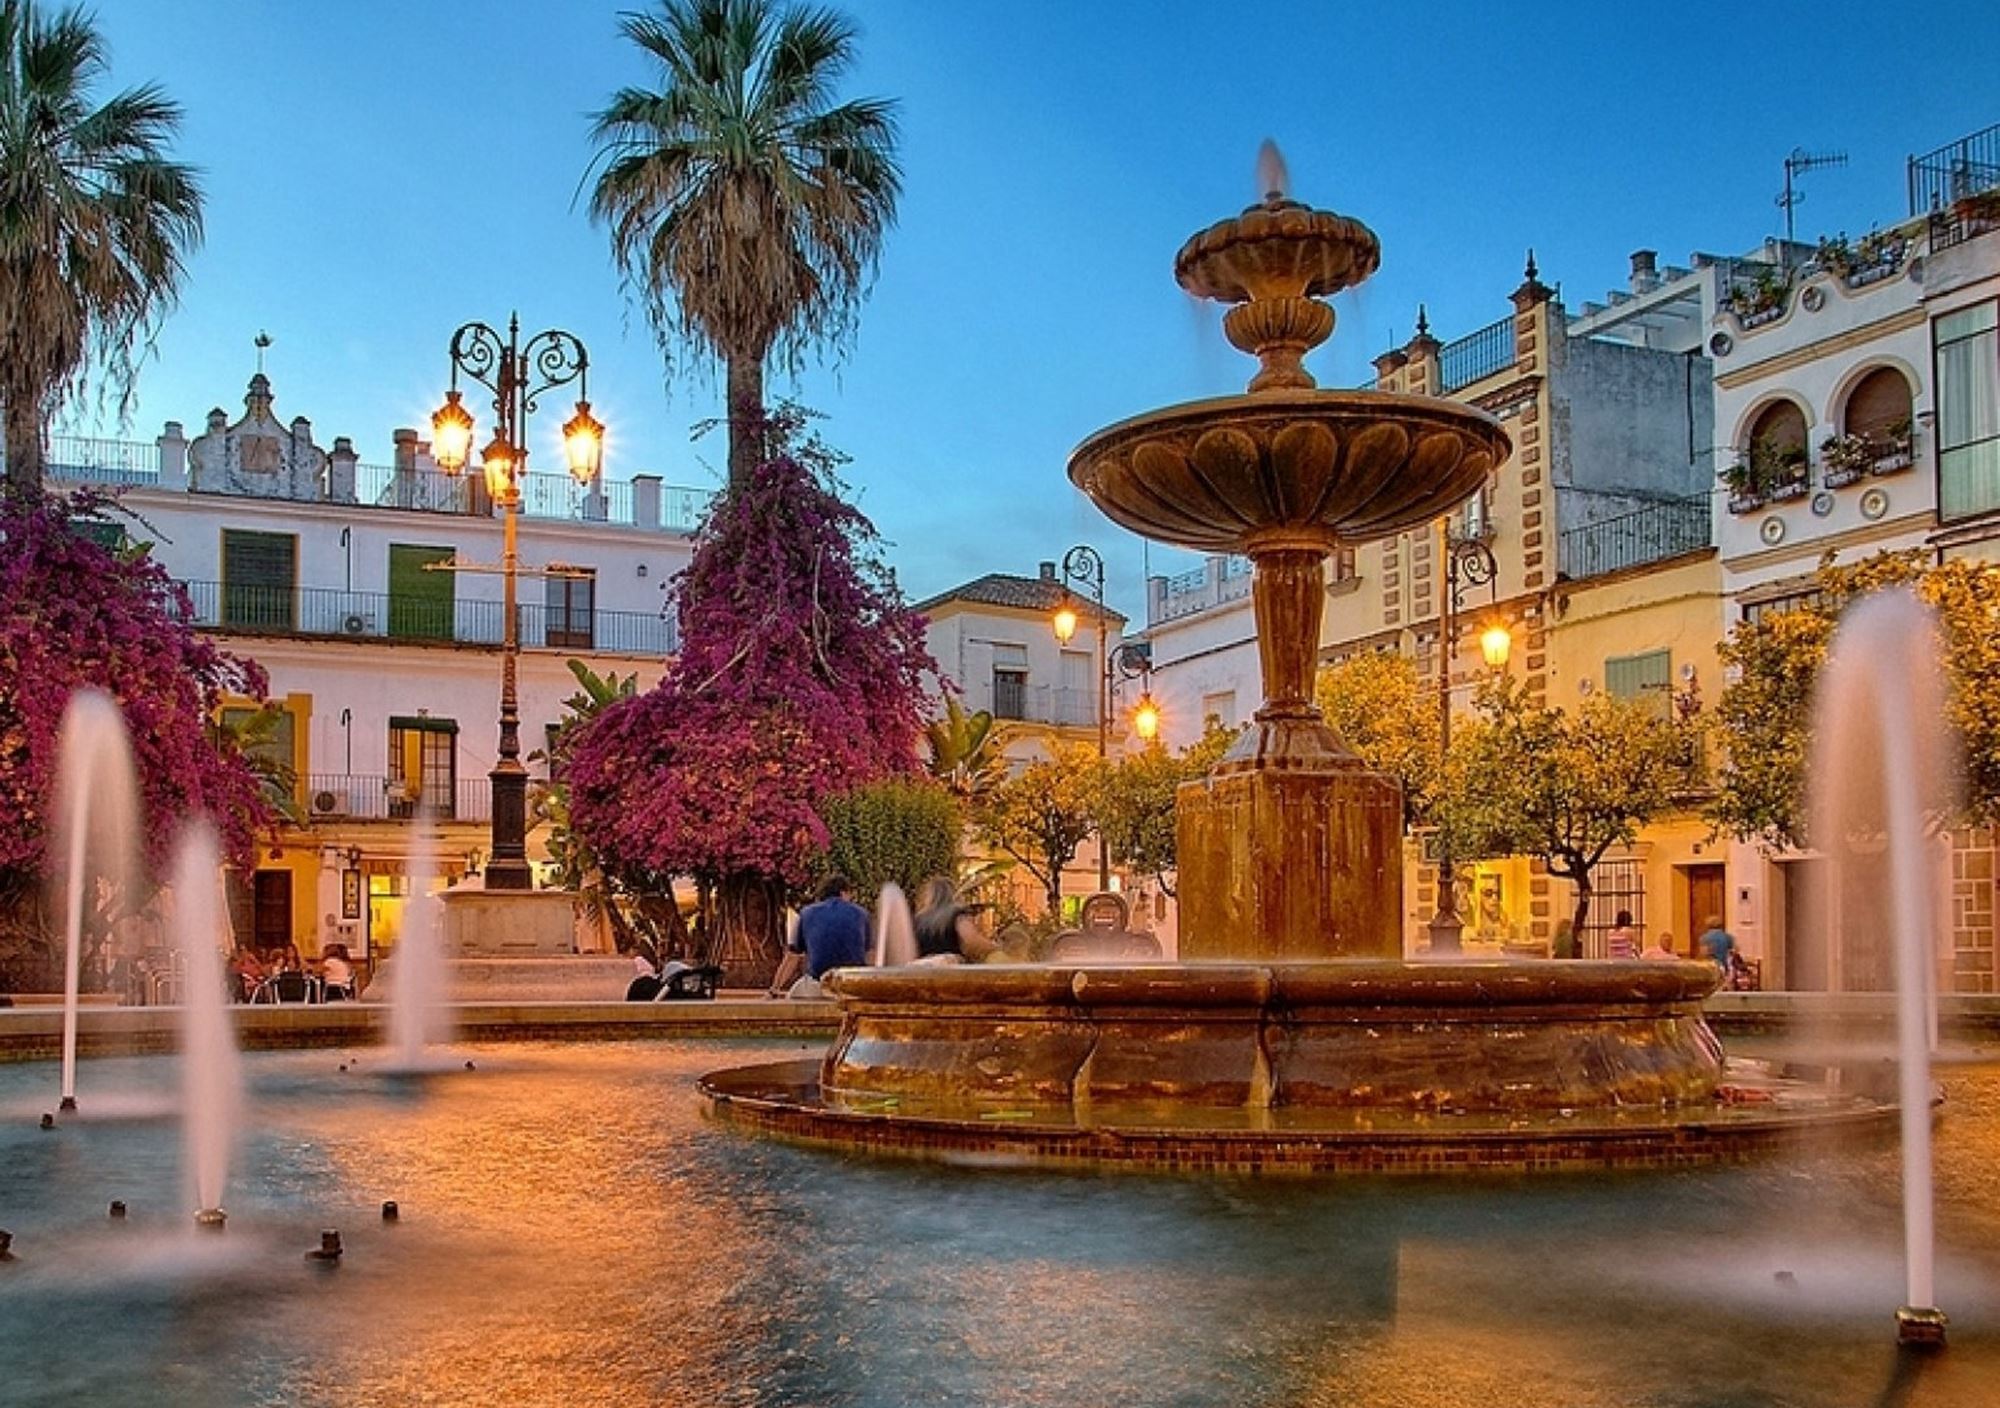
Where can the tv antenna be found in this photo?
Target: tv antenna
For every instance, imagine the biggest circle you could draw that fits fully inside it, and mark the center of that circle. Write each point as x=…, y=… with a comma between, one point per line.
x=1796, y=165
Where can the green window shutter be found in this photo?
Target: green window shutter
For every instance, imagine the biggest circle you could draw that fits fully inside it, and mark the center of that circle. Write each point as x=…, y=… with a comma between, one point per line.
x=106, y=534
x=420, y=601
x=259, y=580
x=1648, y=677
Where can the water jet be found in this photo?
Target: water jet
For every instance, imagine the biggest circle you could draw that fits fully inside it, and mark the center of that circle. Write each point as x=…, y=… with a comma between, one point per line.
x=211, y=1219
x=67, y=1104
x=329, y=1248
x=117, y=1213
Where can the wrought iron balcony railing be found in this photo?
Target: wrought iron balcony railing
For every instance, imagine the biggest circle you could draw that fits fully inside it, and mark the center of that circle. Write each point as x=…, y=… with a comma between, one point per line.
x=337, y=612
x=1649, y=534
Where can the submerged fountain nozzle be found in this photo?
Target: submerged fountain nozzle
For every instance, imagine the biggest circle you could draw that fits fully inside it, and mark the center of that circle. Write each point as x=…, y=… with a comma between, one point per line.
x=6, y=1245
x=48, y=1120
x=117, y=1210
x=67, y=1103
x=1920, y=1327
x=390, y=1212
x=329, y=1248
x=211, y=1219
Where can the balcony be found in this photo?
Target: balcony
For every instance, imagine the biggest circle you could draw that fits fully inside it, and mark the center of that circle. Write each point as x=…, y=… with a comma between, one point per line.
x=1653, y=533
x=333, y=612
x=331, y=797
x=549, y=498
x=1958, y=188
x=1045, y=704
x=1476, y=356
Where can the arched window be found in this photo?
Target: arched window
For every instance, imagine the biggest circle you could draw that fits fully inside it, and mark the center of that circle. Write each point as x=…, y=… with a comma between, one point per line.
x=1781, y=426
x=1878, y=408
x=1774, y=454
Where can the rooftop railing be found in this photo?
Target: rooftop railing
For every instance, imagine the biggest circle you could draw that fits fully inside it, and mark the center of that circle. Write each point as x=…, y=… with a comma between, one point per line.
x=1653, y=533
x=1954, y=171
x=77, y=459
x=1477, y=355
x=334, y=612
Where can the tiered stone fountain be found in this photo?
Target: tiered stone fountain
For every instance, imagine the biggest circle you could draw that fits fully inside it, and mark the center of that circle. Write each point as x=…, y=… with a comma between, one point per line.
x=1294, y=1035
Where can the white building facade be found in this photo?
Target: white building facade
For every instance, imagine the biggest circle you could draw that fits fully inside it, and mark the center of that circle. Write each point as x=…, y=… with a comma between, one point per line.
x=369, y=595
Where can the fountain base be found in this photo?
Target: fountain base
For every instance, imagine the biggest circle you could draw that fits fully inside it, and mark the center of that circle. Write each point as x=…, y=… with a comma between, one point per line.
x=1341, y=1066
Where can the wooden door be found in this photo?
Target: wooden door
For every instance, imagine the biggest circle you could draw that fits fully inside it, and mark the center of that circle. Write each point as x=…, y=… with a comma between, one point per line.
x=271, y=908
x=1708, y=896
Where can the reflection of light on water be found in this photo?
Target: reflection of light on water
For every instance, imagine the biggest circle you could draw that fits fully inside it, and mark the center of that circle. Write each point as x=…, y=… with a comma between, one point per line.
x=574, y=1232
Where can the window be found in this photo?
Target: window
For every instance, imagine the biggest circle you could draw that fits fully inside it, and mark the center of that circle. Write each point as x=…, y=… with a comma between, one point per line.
x=1076, y=703
x=572, y=601
x=1614, y=885
x=1968, y=395
x=1754, y=611
x=1648, y=677
x=1220, y=707
x=1878, y=407
x=423, y=767
x=269, y=739
x=421, y=601
x=259, y=580
x=106, y=534
x=1010, y=680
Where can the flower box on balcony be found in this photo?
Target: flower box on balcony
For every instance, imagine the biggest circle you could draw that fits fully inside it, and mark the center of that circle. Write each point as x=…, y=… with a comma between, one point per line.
x=1839, y=478
x=1745, y=503
x=1778, y=493
x=1747, y=321
x=1894, y=462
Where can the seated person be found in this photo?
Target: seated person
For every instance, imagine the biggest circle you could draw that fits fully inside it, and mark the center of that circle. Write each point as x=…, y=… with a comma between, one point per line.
x=1661, y=948
x=337, y=973
x=946, y=930
x=248, y=972
x=834, y=932
x=793, y=965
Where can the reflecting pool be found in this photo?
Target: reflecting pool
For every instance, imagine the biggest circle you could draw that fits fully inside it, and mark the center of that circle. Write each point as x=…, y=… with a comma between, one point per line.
x=573, y=1231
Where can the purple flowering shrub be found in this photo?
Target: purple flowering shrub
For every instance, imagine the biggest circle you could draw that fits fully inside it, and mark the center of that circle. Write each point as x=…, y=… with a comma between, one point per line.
x=75, y=614
x=800, y=677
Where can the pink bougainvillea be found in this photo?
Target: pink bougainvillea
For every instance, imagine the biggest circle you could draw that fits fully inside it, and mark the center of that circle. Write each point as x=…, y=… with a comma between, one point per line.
x=800, y=676
x=75, y=614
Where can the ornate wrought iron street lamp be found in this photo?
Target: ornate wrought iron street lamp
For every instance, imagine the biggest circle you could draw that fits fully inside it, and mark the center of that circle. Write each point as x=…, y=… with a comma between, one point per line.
x=1467, y=563
x=517, y=374
x=1084, y=565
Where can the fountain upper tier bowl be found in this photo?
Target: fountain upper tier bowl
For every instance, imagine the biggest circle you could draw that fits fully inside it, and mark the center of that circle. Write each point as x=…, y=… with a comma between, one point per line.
x=1288, y=468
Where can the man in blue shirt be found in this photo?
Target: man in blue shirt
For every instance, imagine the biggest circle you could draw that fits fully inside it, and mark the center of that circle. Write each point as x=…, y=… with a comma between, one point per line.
x=834, y=932
x=1719, y=946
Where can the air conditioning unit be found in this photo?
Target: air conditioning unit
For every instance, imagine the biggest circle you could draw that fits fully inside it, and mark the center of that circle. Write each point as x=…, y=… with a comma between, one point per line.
x=356, y=624
x=326, y=803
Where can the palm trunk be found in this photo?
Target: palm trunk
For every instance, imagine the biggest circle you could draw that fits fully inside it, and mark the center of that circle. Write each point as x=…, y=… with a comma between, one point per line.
x=746, y=418
x=23, y=431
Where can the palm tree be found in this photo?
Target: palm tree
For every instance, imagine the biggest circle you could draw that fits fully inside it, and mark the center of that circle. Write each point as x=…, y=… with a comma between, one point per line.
x=95, y=222
x=745, y=207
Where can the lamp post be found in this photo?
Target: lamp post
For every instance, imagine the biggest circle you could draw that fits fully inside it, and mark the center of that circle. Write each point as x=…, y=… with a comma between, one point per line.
x=1467, y=563
x=1084, y=565
x=517, y=374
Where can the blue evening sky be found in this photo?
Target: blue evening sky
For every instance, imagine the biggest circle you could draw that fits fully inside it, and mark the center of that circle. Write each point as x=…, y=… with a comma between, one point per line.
x=379, y=172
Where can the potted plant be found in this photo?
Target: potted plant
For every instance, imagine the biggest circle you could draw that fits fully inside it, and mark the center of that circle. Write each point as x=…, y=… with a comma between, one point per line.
x=1763, y=299
x=1844, y=459
x=1981, y=208
x=1834, y=255
x=1893, y=449
x=1742, y=486
x=1877, y=257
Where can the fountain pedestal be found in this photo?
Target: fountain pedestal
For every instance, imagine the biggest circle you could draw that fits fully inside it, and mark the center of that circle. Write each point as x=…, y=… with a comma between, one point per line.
x=1290, y=849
